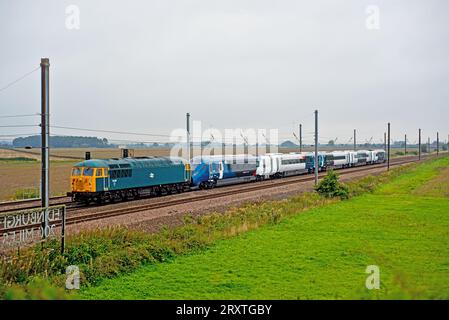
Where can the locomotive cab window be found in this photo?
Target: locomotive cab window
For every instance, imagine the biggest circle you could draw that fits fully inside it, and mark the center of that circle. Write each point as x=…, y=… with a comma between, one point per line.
x=76, y=172
x=99, y=172
x=88, y=172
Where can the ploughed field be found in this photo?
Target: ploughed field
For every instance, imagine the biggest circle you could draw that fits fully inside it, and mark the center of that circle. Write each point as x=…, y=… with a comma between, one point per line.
x=322, y=253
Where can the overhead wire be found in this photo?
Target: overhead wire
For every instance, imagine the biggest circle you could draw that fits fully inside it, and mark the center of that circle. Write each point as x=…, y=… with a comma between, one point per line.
x=19, y=115
x=18, y=79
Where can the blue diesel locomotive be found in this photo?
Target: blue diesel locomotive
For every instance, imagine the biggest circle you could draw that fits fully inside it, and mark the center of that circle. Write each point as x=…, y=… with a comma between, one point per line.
x=119, y=179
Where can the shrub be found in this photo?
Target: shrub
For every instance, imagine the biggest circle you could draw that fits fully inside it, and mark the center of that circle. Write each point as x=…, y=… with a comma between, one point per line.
x=330, y=187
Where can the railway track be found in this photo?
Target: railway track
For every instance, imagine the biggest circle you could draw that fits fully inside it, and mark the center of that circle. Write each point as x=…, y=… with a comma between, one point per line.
x=30, y=203
x=108, y=213
x=33, y=203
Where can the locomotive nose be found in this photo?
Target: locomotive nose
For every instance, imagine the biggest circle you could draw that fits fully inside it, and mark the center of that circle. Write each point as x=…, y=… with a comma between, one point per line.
x=82, y=184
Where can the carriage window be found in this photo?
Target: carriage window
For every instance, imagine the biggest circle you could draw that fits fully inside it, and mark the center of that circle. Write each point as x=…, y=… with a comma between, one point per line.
x=293, y=161
x=76, y=172
x=88, y=172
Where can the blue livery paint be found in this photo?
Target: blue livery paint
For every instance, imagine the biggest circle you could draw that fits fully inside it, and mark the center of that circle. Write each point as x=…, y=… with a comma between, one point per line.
x=208, y=171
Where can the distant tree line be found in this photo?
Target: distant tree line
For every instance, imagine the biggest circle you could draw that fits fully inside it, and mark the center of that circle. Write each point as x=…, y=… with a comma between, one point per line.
x=62, y=142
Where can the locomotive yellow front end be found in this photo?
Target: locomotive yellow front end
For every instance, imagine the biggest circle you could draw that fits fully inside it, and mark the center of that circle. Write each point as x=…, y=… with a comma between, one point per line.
x=83, y=180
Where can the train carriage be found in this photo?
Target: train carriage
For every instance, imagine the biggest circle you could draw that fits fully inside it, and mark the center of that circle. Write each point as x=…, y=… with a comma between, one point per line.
x=378, y=156
x=310, y=162
x=292, y=164
x=211, y=171
x=114, y=179
x=338, y=159
x=364, y=157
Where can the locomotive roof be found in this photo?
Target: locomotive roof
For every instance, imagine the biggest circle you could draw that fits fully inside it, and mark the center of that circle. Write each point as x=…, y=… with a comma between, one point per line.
x=136, y=162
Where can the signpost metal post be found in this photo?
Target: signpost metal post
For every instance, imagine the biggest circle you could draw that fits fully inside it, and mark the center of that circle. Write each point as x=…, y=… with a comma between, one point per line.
x=389, y=148
x=419, y=143
x=316, y=147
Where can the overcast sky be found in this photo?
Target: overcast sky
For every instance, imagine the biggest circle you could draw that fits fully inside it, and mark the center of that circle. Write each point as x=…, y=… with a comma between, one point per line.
x=141, y=65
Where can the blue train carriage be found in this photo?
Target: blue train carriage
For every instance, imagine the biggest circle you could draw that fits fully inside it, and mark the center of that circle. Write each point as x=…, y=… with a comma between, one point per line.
x=310, y=161
x=102, y=180
x=211, y=171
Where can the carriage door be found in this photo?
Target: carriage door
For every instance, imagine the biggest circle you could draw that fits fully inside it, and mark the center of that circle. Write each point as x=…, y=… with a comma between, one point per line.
x=221, y=169
x=106, y=179
x=214, y=171
x=266, y=166
x=273, y=165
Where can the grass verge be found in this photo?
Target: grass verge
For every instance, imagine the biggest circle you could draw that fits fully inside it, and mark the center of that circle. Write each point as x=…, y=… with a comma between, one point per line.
x=320, y=254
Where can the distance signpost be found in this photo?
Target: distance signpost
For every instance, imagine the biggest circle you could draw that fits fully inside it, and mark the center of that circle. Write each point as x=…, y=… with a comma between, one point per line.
x=20, y=228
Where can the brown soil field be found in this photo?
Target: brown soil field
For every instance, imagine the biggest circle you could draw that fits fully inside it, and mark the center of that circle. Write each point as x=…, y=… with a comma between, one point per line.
x=15, y=176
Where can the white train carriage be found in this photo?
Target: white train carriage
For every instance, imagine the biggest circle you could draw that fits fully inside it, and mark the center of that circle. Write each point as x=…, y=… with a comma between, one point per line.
x=268, y=166
x=353, y=158
x=338, y=159
x=364, y=157
x=378, y=156
x=276, y=165
x=292, y=164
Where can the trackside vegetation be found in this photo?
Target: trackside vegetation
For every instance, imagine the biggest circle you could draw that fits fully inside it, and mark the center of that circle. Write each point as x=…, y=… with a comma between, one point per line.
x=330, y=187
x=309, y=246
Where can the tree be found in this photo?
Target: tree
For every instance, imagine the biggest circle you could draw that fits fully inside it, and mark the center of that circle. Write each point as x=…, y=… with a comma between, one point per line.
x=62, y=142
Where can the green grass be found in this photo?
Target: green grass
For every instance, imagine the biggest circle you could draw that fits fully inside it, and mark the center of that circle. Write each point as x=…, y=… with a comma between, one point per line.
x=321, y=253
x=29, y=193
x=17, y=160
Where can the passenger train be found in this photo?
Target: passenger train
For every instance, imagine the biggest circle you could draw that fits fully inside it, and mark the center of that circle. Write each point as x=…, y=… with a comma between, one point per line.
x=101, y=180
